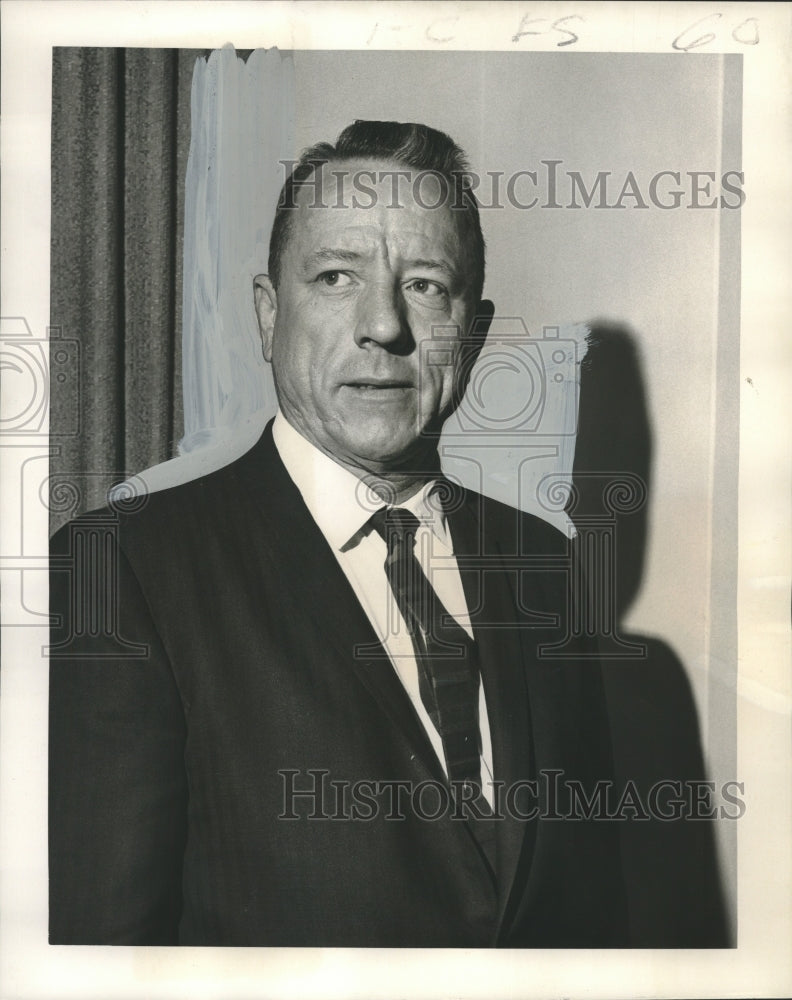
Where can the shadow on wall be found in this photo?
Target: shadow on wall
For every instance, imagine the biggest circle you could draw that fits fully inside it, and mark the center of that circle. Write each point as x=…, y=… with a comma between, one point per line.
x=671, y=868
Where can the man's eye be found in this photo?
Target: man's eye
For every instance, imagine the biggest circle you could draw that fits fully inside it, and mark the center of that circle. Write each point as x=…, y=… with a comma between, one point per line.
x=334, y=279
x=425, y=287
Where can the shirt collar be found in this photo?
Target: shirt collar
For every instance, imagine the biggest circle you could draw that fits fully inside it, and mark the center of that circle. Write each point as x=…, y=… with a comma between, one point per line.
x=337, y=500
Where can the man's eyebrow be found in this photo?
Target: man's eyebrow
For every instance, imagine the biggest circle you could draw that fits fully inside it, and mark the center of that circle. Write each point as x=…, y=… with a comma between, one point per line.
x=324, y=254
x=430, y=265
x=334, y=255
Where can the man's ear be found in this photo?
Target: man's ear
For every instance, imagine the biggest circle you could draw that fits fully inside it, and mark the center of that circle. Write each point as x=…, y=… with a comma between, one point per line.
x=266, y=299
x=472, y=345
x=479, y=328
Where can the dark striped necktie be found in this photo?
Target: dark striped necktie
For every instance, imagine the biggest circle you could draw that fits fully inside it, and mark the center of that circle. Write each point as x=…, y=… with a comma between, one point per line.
x=448, y=671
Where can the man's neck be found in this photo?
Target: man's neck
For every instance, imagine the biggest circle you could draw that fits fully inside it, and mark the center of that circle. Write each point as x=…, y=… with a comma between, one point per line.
x=392, y=484
x=394, y=489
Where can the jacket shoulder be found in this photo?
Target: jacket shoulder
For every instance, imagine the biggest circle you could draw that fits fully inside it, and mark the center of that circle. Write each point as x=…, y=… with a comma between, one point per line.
x=188, y=508
x=521, y=531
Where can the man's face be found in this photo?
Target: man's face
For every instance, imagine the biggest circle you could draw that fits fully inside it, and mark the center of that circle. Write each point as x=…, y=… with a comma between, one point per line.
x=362, y=287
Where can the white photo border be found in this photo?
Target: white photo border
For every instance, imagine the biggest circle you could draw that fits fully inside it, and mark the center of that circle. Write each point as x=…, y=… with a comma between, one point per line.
x=762, y=963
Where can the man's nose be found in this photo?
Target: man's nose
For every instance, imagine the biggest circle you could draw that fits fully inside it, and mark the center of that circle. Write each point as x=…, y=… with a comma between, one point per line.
x=381, y=317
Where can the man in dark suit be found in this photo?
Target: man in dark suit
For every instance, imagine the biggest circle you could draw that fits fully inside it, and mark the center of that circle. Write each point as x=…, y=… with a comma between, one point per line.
x=324, y=696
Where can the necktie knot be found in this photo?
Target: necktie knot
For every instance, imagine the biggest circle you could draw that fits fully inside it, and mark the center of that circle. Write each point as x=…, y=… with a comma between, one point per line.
x=396, y=526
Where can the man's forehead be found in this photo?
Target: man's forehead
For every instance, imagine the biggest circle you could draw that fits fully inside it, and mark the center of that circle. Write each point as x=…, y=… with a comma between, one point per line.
x=396, y=178
x=364, y=201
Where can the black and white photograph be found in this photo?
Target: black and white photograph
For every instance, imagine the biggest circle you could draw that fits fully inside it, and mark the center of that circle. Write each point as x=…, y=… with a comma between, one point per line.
x=395, y=446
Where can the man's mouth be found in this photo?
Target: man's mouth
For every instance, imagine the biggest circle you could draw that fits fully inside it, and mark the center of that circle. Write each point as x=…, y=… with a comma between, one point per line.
x=378, y=385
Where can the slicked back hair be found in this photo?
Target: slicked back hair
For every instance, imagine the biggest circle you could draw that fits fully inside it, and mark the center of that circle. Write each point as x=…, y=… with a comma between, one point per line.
x=412, y=145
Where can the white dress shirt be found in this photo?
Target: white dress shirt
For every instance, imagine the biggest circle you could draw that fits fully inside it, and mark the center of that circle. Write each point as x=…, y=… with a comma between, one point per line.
x=341, y=505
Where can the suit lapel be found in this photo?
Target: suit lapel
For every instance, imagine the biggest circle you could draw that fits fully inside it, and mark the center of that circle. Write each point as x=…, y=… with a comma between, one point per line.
x=490, y=591
x=549, y=705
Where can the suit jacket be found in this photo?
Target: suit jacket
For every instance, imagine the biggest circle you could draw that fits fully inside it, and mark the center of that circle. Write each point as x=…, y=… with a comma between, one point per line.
x=210, y=661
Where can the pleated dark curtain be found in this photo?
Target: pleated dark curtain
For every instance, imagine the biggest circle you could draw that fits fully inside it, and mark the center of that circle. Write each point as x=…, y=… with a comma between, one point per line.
x=120, y=141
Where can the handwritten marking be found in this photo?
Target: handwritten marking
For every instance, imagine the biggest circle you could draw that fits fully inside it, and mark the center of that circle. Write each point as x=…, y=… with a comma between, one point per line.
x=390, y=27
x=523, y=28
x=744, y=33
x=754, y=39
x=446, y=38
x=696, y=43
x=573, y=37
x=751, y=32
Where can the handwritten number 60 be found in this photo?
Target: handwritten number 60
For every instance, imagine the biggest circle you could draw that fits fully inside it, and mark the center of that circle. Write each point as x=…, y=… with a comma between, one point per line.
x=746, y=33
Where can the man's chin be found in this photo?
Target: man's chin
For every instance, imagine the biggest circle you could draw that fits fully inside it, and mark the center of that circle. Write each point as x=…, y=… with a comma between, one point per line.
x=390, y=453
